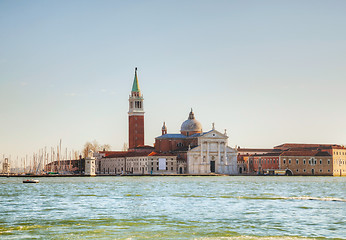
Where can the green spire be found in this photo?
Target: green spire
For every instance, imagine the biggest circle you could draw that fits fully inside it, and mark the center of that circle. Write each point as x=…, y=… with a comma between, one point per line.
x=135, y=86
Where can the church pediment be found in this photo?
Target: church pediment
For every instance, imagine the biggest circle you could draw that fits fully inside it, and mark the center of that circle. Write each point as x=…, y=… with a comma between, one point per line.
x=213, y=134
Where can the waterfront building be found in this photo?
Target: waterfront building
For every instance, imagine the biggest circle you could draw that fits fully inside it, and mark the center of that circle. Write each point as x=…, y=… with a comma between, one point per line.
x=265, y=163
x=212, y=155
x=199, y=152
x=339, y=160
x=295, y=159
x=66, y=166
x=90, y=162
x=306, y=162
x=337, y=152
x=245, y=160
x=136, y=163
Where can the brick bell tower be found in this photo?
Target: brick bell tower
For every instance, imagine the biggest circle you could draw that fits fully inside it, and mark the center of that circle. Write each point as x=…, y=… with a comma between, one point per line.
x=136, y=115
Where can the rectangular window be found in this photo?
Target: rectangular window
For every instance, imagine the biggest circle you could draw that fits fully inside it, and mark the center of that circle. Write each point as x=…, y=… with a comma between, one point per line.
x=321, y=161
x=297, y=161
x=304, y=161
x=289, y=161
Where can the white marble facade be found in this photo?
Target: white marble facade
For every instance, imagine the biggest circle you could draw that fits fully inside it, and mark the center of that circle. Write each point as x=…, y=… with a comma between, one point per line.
x=212, y=155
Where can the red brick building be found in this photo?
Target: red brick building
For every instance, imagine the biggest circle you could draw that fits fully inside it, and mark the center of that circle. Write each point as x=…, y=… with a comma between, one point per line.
x=136, y=116
x=179, y=142
x=264, y=163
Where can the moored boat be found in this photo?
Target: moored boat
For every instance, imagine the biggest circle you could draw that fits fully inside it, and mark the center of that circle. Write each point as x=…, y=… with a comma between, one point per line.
x=31, y=181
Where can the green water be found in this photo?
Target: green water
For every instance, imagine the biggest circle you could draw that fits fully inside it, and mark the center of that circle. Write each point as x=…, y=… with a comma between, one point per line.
x=174, y=208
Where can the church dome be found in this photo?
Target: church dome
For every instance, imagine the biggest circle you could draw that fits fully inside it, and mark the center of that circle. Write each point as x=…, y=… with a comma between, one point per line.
x=191, y=125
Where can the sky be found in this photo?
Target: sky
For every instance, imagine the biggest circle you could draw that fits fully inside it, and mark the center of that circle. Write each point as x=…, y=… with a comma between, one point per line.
x=268, y=71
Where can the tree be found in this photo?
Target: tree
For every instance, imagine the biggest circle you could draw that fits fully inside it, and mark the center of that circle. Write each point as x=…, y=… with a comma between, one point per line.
x=105, y=147
x=95, y=147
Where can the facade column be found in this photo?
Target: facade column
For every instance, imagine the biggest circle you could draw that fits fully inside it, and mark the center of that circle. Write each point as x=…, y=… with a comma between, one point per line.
x=218, y=151
x=225, y=153
x=201, y=151
x=208, y=152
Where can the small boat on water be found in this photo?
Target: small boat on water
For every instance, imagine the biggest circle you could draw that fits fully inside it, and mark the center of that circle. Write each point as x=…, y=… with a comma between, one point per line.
x=31, y=181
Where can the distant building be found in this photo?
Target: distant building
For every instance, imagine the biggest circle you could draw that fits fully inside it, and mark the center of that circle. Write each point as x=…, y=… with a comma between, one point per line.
x=246, y=163
x=136, y=163
x=6, y=166
x=212, y=155
x=90, y=163
x=337, y=152
x=264, y=163
x=295, y=159
x=339, y=160
x=201, y=152
x=306, y=162
x=66, y=166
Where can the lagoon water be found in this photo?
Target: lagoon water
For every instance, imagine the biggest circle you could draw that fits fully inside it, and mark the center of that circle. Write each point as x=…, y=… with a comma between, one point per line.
x=226, y=207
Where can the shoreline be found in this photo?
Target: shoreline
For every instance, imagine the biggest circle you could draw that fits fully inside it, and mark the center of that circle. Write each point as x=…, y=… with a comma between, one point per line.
x=155, y=175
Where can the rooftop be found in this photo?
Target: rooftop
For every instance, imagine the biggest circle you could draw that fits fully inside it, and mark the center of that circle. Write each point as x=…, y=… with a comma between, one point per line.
x=305, y=153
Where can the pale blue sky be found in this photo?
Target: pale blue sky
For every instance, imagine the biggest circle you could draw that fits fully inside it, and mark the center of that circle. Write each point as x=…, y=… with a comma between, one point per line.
x=267, y=71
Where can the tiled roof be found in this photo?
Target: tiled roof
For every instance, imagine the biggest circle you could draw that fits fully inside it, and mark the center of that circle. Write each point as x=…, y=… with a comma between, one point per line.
x=135, y=85
x=304, y=145
x=144, y=147
x=108, y=153
x=270, y=154
x=255, y=149
x=127, y=154
x=305, y=153
x=178, y=135
x=174, y=135
x=161, y=154
x=196, y=135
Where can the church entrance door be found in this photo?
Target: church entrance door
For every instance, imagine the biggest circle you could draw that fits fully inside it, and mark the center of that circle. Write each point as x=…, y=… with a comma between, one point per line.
x=212, y=166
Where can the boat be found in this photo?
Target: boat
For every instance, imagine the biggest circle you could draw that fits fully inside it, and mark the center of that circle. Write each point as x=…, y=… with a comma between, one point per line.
x=31, y=181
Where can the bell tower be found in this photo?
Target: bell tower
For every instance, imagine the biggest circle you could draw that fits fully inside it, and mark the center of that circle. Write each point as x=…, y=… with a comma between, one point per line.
x=136, y=115
x=164, y=129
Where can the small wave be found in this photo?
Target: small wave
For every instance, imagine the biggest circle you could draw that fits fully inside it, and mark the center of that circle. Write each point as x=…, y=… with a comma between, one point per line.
x=317, y=198
x=294, y=198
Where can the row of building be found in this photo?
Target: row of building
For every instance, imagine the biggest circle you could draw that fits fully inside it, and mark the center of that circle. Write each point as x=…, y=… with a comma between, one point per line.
x=193, y=151
x=294, y=159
